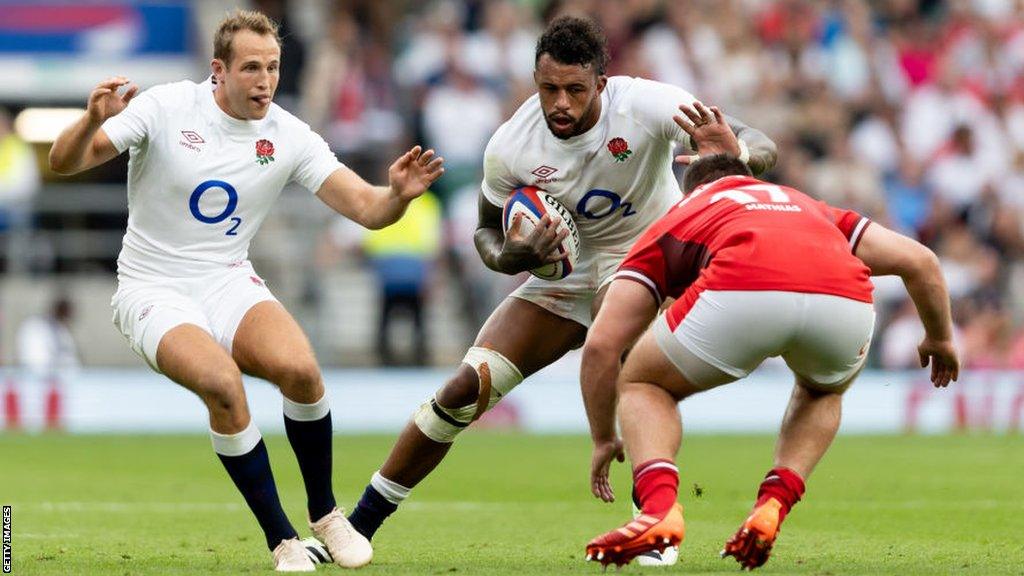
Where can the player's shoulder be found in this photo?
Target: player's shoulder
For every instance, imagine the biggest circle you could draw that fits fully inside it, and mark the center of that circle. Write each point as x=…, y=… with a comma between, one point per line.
x=620, y=87
x=286, y=119
x=629, y=94
x=515, y=132
x=175, y=94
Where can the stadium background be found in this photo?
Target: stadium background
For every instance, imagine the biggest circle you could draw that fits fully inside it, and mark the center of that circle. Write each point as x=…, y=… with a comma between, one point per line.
x=910, y=112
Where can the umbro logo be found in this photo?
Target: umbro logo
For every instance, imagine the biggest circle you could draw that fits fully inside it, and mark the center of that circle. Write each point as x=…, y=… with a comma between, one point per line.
x=191, y=140
x=544, y=173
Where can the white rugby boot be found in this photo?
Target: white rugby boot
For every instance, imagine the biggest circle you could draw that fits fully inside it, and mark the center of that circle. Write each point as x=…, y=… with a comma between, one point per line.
x=654, y=558
x=316, y=551
x=290, y=556
x=349, y=548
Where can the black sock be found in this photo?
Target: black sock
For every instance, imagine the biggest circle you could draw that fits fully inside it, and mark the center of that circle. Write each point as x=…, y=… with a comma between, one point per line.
x=254, y=479
x=311, y=441
x=372, y=510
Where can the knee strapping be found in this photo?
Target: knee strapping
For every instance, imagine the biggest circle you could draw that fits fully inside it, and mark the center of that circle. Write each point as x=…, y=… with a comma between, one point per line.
x=497, y=376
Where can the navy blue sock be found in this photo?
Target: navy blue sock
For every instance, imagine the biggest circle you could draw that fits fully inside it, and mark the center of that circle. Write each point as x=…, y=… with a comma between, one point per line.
x=372, y=510
x=254, y=479
x=311, y=441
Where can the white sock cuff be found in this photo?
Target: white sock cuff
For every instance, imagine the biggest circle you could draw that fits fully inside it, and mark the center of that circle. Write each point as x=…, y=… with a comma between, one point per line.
x=655, y=466
x=307, y=412
x=391, y=491
x=236, y=444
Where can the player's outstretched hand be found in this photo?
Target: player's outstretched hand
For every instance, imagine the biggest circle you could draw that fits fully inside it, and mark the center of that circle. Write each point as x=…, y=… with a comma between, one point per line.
x=525, y=252
x=942, y=356
x=104, y=101
x=708, y=130
x=600, y=462
x=413, y=173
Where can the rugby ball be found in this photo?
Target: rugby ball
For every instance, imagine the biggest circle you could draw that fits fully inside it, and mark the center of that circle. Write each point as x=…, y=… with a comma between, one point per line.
x=533, y=203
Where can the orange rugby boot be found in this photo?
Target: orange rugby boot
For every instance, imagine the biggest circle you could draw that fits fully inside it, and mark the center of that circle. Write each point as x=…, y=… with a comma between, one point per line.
x=752, y=543
x=642, y=534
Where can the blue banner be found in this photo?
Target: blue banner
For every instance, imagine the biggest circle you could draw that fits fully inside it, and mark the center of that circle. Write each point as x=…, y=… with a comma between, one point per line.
x=110, y=28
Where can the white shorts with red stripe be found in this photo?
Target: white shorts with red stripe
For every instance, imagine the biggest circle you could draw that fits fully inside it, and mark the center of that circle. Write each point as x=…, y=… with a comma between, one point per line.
x=146, y=310
x=726, y=334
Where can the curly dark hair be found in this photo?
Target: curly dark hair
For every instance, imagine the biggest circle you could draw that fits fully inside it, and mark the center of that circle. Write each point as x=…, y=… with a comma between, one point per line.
x=572, y=40
x=711, y=168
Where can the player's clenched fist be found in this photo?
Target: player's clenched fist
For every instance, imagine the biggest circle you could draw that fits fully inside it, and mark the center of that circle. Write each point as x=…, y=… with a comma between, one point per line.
x=521, y=252
x=104, y=101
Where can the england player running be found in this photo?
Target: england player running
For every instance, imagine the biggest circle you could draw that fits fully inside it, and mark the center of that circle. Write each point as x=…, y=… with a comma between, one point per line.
x=206, y=163
x=604, y=148
x=756, y=270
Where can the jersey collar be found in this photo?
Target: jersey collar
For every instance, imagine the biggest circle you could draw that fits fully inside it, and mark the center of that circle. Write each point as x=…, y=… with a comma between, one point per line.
x=723, y=183
x=229, y=124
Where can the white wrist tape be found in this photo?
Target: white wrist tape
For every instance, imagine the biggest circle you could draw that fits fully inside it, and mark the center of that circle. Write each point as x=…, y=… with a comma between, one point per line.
x=744, y=152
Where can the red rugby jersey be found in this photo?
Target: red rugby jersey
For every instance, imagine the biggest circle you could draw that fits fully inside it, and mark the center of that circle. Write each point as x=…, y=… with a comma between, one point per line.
x=739, y=233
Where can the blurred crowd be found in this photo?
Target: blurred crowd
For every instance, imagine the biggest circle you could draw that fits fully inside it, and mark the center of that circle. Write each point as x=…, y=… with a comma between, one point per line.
x=911, y=112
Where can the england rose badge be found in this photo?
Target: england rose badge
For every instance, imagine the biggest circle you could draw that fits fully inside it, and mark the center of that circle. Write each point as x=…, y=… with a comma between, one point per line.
x=264, y=151
x=619, y=149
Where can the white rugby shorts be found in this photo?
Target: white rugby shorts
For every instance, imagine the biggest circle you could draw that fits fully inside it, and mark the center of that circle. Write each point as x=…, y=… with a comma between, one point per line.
x=145, y=310
x=572, y=296
x=725, y=335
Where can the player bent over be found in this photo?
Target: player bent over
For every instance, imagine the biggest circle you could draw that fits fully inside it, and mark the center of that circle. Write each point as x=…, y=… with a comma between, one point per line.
x=757, y=270
x=603, y=147
x=206, y=163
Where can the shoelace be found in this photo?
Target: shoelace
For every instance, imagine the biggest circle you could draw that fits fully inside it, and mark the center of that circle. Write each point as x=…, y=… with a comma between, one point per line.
x=293, y=551
x=336, y=525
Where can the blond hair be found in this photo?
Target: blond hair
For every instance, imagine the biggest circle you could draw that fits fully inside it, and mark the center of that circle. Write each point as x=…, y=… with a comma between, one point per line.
x=236, y=21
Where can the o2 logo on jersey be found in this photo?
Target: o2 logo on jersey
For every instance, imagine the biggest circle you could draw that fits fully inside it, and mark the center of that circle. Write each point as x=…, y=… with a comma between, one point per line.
x=598, y=204
x=229, y=209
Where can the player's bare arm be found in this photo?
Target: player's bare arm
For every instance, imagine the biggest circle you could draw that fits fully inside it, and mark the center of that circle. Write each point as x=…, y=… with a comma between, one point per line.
x=375, y=207
x=713, y=132
x=627, y=311
x=82, y=145
x=516, y=252
x=886, y=253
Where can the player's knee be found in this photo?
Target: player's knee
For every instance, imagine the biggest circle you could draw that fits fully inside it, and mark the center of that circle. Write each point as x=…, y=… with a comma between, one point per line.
x=461, y=389
x=299, y=379
x=483, y=379
x=223, y=393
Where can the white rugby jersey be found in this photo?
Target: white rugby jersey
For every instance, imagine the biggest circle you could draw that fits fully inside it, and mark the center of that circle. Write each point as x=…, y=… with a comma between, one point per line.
x=616, y=178
x=200, y=182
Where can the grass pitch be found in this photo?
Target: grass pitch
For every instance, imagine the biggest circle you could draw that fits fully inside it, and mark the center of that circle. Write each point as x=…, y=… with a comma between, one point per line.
x=514, y=504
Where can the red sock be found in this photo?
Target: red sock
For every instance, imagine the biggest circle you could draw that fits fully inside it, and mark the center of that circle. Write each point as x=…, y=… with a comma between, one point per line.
x=657, y=485
x=784, y=485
